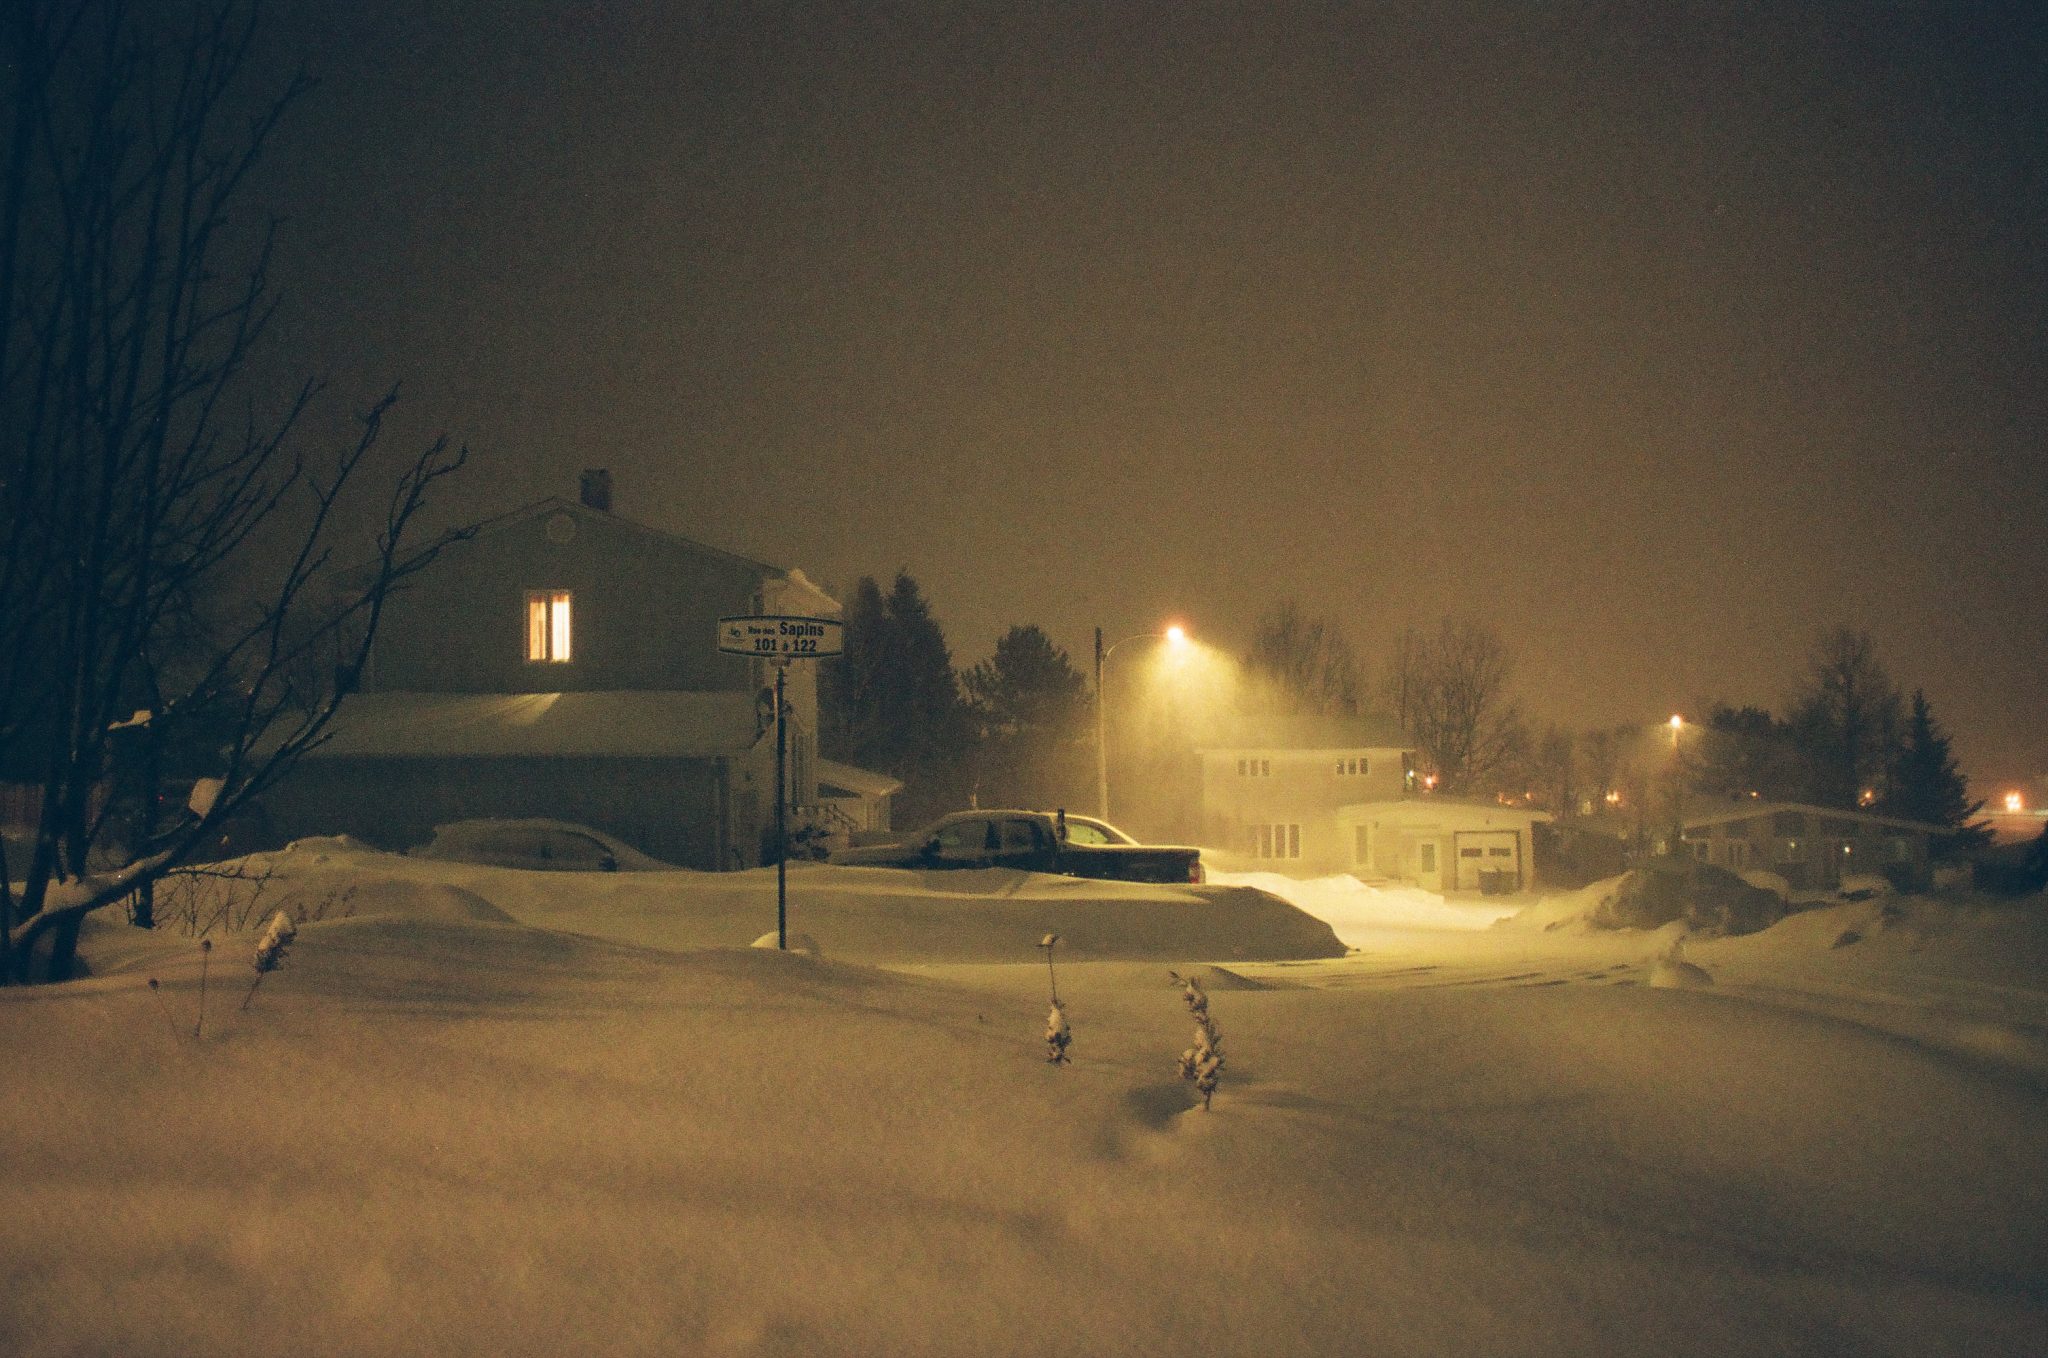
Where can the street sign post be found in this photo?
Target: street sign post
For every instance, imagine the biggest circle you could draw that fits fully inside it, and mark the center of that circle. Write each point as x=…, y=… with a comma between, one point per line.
x=780, y=638
x=774, y=636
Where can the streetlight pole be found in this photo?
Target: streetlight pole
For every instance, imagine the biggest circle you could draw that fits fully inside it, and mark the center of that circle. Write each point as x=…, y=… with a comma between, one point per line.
x=1677, y=788
x=1101, y=736
x=1174, y=635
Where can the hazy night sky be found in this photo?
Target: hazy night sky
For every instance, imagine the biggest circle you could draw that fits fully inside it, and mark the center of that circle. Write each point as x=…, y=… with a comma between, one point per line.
x=1657, y=336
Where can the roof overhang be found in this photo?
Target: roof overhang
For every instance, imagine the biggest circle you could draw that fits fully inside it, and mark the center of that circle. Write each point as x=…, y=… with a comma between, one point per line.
x=629, y=724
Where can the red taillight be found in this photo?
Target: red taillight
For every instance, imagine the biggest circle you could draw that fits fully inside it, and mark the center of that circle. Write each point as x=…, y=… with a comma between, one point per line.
x=1195, y=874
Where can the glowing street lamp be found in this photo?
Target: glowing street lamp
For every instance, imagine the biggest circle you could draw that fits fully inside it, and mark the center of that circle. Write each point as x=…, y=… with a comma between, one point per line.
x=1176, y=637
x=1677, y=724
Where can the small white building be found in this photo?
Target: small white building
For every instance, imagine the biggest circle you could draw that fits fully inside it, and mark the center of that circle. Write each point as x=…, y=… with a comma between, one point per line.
x=1442, y=843
x=854, y=799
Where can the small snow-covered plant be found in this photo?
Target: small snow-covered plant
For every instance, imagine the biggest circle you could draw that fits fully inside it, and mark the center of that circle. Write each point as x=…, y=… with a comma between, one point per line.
x=205, y=956
x=271, y=950
x=1058, y=1036
x=157, y=991
x=1203, y=1060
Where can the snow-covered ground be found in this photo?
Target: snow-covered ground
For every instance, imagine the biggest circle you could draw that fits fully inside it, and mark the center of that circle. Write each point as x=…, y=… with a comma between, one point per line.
x=490, y=1111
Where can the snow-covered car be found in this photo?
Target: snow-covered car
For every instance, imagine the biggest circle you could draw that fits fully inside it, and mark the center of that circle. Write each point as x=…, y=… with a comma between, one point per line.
x=1031, y=841
x=541, y=845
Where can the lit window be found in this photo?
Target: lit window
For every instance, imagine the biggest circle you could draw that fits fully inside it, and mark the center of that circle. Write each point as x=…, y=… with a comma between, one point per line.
x=1276, y=841
x=547, y=625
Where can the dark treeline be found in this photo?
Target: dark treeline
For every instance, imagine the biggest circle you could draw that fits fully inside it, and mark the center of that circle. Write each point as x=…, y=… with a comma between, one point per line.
x=1013, y=730
x=1016, y=729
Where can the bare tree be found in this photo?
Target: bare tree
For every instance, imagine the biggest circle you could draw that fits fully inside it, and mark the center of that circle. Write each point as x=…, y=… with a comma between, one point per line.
x=1846, y=719
x=1554, y=771
x=1306, y=662
x=139, y=482
x=1454, y=686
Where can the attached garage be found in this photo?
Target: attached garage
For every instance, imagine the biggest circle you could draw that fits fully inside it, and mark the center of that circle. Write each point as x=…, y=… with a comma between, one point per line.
x=1442, y=843
x=1487, y=859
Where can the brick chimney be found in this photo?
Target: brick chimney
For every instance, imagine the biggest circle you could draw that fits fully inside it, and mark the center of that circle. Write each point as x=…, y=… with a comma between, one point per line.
x=597, y=489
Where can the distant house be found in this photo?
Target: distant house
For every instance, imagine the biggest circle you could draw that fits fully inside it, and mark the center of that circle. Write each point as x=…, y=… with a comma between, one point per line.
x=860, y=799
x=1270, y=796
x=564, y=663
x=1309, y=796
x=1812, y=847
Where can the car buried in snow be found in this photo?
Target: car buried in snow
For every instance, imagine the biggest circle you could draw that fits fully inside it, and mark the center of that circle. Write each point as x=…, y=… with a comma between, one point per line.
x=1031, y=841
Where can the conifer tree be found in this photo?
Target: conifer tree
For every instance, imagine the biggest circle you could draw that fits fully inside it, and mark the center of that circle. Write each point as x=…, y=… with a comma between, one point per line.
x=892, y=703
x=850, y=684
x=1031, y=707
x=1927, y=785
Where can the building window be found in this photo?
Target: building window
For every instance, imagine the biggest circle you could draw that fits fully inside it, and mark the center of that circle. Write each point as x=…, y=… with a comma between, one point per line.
x=1255, y=768
x=1351, y=768
x=1276, y=841
x=547, y=625
x=1426, y=852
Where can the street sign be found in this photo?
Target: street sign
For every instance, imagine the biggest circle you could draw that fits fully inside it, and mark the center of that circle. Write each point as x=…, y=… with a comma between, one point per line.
x=776, y=637
x=781, y=638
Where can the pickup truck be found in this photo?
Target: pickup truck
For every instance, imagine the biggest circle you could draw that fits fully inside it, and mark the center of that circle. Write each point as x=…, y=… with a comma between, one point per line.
x=1033, y=841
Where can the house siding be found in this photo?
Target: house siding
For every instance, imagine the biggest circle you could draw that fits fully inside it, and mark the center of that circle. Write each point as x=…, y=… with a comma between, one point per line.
x=644, y=613
x=1812, y=850
x=1301, y=788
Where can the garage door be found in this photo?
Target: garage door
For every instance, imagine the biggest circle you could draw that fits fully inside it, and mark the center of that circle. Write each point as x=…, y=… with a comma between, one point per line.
x=1485, y=852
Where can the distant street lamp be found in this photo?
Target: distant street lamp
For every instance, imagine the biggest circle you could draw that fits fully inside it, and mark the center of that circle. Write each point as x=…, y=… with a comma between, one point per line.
x=1175, y=636
x=1677, y=788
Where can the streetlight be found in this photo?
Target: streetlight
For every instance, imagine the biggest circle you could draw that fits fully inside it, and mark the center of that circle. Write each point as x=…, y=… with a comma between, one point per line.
x=1175, y=636
x=1677, y=788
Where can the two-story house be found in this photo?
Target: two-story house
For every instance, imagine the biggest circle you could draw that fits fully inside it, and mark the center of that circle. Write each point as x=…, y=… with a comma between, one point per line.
x=1311, y=796
x=563, y=663
x=1270, y=796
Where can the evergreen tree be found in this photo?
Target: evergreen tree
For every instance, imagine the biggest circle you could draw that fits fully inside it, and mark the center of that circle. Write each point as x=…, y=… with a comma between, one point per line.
x=1746, y=751
x=1031, y=706
x=850, y=685
x=1926, y=785
x=891, y=702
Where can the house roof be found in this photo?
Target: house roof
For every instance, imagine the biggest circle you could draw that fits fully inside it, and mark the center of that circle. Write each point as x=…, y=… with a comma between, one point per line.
x=1721, y=812
x=864, y=782
x=1313, y=732
x=1715, y=811
x=635, y=724
x=556, y=504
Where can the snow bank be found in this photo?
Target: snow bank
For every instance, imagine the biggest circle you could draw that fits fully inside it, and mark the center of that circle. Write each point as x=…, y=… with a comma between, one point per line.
x=1360, y=914
x=447, y=1136
x=871, y=914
